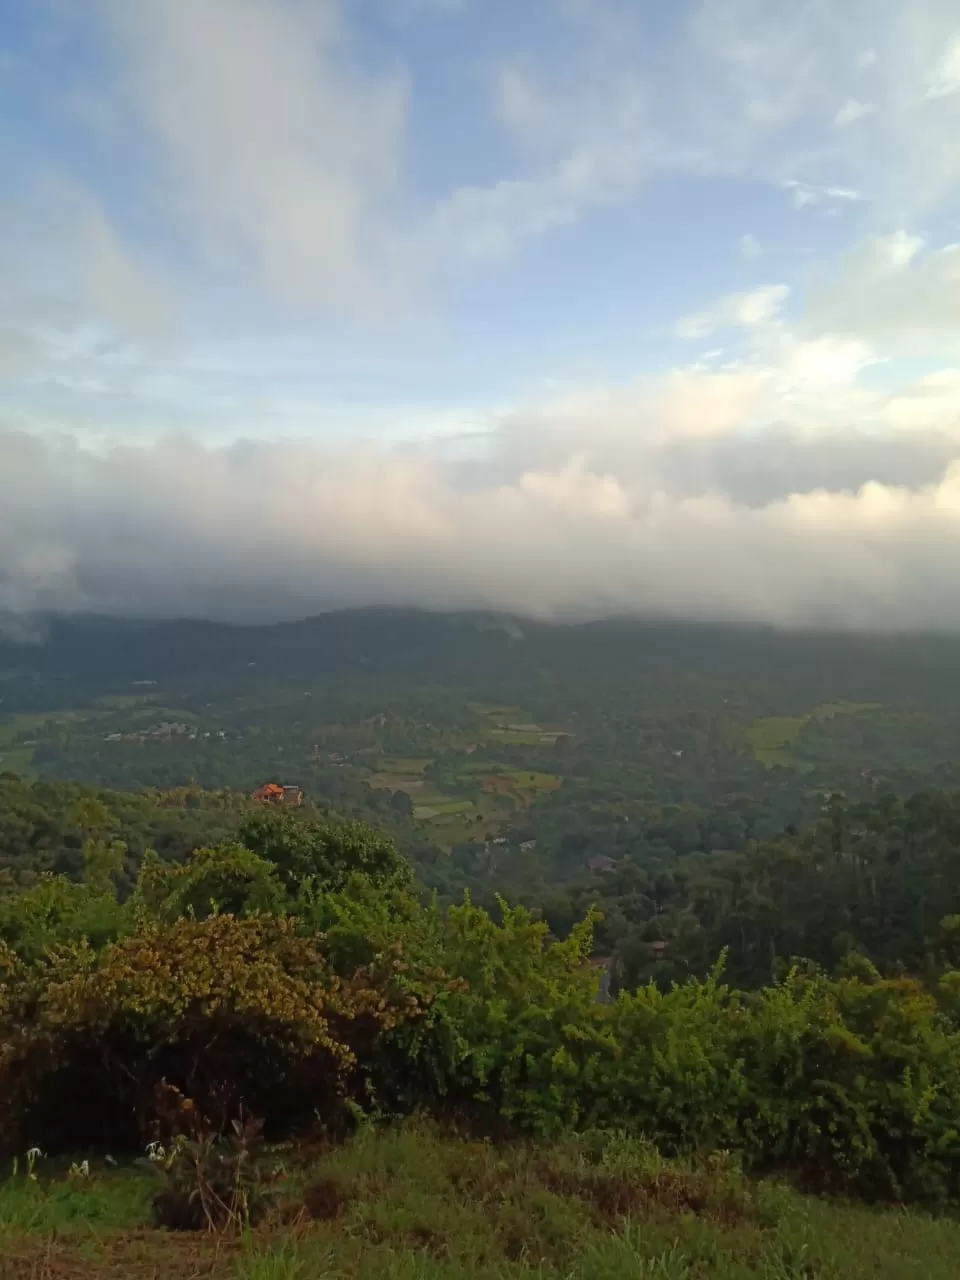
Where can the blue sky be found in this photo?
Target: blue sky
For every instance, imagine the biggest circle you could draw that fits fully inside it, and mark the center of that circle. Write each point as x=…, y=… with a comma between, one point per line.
x=662, y=301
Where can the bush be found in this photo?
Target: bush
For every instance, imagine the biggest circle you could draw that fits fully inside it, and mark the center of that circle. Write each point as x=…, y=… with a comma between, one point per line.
x=233, y=1012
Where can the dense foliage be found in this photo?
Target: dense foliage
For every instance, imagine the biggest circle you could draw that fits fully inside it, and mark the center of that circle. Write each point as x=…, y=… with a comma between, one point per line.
x=880, y=877
x=297, y=972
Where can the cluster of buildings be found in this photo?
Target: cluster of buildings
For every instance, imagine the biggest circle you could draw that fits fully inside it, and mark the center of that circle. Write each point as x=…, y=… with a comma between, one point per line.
x=165, y=729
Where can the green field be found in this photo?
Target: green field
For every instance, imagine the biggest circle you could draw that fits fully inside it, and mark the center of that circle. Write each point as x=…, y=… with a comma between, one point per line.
x=408, y=766
x=28, y=722
x=414, y=785
x=452, y=806
x=18, y=759
x=827, y=710
x=531, y=780
x=512, y=726
x=771, y=737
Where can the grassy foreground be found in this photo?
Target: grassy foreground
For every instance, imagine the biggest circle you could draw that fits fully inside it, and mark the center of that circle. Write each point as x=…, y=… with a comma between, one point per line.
x=411, y=1204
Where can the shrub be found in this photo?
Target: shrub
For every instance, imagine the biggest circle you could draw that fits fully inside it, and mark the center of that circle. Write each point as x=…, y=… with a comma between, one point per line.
x=233, y=1012
x=211, y=1183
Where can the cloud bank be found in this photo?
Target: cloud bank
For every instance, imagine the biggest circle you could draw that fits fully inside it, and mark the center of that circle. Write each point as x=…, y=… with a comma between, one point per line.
x=635, y=501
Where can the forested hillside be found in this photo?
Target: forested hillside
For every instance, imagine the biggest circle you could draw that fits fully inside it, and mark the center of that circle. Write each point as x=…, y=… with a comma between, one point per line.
x=509, y=754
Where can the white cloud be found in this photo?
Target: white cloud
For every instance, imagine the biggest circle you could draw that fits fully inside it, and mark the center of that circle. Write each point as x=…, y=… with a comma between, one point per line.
x=752, y=87
x=71, y=285
x=489, y=222
x=282, y=147
x=257, y=530
x=945, y=77
x=893, y=290
x=737, y=310
x=851, y=111
x=275, y=149
x=826, y=362
x=589, y=151
x=806, y=194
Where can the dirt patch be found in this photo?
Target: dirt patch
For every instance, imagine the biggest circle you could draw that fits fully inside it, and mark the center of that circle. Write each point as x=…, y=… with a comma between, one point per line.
x=136, y=1255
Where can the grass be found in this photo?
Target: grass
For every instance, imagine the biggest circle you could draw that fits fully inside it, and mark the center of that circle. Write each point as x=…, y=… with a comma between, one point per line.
x=109, y=1199
x=413, y=1204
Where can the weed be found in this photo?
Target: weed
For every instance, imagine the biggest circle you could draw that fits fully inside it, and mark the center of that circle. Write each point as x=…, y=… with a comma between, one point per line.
x=211, y=1183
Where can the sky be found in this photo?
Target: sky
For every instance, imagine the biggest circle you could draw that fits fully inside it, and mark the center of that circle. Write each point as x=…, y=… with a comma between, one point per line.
x=568, y=308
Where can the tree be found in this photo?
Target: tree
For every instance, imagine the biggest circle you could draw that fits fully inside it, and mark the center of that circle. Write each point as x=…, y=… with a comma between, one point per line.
x=328, y=853
x=226, y=880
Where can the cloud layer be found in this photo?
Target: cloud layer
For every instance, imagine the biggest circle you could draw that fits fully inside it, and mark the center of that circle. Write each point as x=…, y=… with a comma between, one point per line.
x=635, y=501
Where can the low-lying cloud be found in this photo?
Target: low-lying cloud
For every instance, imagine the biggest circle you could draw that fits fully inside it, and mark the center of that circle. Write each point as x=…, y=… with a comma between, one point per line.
x=622, y=523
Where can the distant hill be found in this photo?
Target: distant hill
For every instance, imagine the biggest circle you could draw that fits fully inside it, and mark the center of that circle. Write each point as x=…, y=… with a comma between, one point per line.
x=95, y=653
